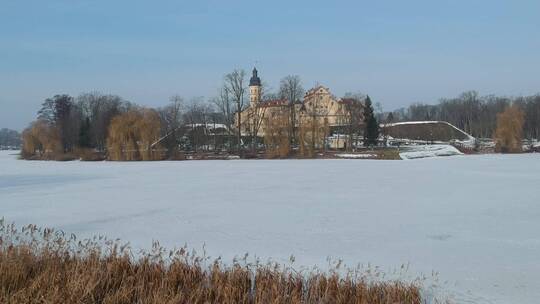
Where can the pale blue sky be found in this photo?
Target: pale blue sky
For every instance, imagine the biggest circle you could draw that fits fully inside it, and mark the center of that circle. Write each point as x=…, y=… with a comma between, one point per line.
x=399, y=52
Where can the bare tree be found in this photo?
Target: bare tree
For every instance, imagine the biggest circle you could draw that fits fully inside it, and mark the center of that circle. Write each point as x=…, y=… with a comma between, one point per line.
x=234, y=84
x=199, y=116
x=100, y=109
x=379, y=112
x=354, y=108
x=352, y=119
x=171, y=119
x=290, y=88
x=224, y=104
x=255, y=118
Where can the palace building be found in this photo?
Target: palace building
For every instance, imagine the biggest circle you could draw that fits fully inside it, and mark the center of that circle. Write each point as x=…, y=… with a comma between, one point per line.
x=318, y=106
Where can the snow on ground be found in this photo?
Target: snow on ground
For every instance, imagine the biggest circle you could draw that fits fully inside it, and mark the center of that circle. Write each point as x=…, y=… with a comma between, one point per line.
x=423, y=151
x=349, y=155
x=473, y=219
x=528, y=144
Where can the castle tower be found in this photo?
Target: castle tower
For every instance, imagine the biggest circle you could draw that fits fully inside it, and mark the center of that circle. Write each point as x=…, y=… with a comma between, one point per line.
x=254, y=89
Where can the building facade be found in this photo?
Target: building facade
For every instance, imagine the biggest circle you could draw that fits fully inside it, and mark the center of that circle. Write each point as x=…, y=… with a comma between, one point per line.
x=318, y=107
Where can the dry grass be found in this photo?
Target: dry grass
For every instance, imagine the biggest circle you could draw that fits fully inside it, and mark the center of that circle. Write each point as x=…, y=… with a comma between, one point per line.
x=46, y=266
x=388, y=153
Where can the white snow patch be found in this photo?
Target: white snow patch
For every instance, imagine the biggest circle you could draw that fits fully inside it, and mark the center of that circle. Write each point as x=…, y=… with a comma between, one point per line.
x=474, y=220
x=411, y=123
x=423, y=151
x=527, y=144
x=348, y=155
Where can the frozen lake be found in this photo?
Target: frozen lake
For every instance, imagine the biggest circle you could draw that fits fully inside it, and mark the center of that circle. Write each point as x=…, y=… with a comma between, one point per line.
x=473, y=219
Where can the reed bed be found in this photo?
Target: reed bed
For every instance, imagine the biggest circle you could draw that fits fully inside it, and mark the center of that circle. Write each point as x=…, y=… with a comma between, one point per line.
x=47, y=266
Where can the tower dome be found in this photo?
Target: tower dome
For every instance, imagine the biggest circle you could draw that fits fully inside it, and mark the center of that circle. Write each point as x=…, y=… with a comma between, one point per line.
x=255, y=80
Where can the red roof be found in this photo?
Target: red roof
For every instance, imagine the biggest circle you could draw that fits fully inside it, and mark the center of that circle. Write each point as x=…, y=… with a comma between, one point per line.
x=274, y=103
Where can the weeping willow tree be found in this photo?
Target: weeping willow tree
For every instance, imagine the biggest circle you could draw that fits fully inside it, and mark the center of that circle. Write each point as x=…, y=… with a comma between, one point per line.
x=509, y=133
x=276, y=134
x=149, y=132
x=122, y=141
x=312, y=135
x=132, y=134
x=41, y=140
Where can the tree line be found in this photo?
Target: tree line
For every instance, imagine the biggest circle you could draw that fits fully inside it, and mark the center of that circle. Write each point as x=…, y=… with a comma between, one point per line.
x=9, y=139
x=475, y=114
x=94, y=125
x=67, y=124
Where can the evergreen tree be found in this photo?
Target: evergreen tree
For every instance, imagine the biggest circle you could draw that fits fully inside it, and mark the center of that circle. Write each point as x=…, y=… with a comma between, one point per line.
x=59, y=111
x=390, y=118
x=371, y=127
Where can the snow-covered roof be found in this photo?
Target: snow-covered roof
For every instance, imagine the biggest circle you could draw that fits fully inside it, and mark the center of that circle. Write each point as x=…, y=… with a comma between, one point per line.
x=427, y=122
x=209, y=126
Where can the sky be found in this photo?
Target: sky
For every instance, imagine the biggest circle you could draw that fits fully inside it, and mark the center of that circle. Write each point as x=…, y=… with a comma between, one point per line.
x=398, y=52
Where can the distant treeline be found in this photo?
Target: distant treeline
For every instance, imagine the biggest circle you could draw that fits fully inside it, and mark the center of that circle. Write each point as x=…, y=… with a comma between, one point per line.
x=476, y=115
x=9, y=139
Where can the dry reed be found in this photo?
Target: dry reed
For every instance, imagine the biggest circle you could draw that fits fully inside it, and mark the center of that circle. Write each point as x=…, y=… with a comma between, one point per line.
x=46, y=266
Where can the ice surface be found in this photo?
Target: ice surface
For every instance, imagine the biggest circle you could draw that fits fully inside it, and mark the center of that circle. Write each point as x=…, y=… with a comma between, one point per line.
x=473, y=219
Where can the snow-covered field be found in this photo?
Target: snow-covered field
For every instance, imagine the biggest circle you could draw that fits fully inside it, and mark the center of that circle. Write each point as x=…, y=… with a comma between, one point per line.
x=473, y=219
